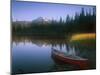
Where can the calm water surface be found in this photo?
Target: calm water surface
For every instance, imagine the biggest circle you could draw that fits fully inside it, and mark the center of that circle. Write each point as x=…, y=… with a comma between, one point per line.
x=31, y=55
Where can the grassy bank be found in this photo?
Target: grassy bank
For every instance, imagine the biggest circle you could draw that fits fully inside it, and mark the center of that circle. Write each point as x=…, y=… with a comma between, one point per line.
x=84, y=38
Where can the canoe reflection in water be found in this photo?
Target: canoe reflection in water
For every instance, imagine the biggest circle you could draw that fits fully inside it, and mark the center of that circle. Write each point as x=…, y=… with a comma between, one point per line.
x=69, y=58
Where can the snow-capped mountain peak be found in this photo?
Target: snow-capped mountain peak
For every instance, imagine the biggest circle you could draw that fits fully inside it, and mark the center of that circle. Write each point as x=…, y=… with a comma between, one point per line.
x=41, y=20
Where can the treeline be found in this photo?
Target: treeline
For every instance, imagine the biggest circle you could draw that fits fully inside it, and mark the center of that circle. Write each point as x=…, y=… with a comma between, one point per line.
x=82, y=22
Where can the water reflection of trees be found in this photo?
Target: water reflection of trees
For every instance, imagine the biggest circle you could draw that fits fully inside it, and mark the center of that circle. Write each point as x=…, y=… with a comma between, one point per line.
x=40, y=41
x=85, y=52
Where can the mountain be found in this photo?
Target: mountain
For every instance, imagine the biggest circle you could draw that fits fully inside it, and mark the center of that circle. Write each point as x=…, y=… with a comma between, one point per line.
x=41, y=20
x=22, y=23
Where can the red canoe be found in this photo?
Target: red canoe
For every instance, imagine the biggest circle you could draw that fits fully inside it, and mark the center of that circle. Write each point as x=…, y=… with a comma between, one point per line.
x=70, y=59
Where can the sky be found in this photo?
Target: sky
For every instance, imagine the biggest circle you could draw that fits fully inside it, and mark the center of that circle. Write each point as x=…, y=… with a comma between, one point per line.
x=28, y=11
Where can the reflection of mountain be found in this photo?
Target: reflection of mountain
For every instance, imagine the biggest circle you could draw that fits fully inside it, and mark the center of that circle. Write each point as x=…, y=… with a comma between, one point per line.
x=40, y=41
x=60, y=44
x=82, y=51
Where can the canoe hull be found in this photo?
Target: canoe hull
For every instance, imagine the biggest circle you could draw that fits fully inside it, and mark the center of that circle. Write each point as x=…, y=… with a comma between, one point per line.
x=60, y=58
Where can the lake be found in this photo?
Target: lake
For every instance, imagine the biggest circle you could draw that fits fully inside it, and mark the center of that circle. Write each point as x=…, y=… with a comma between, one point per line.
x=33, y=55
